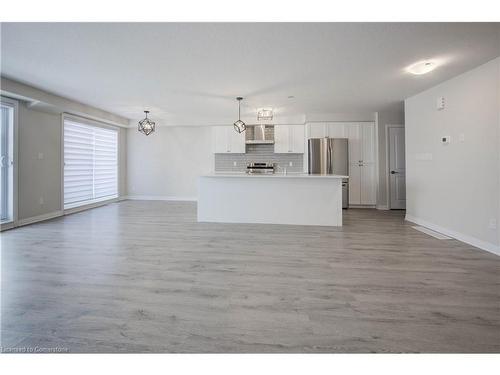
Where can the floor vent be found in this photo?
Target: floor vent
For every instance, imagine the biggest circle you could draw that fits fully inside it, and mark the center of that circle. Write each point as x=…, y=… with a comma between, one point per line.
x=437, y=235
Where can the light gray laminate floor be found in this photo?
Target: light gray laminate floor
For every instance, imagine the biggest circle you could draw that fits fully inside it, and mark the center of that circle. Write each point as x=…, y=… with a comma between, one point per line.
x=144, y=276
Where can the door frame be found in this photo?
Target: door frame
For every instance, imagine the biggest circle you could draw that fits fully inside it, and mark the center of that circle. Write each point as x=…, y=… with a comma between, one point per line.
x=15, y=133
x=387, y=156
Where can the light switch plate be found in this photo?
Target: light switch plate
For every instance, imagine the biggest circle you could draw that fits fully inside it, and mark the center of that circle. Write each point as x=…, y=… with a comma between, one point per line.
x=440, y=103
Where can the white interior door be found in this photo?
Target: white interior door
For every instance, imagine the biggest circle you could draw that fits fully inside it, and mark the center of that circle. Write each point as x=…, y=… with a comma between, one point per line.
x=397, y=178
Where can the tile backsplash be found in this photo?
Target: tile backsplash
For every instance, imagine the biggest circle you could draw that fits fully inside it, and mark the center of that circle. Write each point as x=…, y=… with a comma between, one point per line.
x=258, y=153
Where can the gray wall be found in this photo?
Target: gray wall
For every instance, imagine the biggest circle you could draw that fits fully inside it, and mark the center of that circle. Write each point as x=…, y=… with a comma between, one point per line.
x=257, y=153
x=40, y=133
x=390, y=117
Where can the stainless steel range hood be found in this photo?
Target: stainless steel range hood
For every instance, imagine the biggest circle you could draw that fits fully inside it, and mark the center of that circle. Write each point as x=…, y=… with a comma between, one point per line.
x=259, y=134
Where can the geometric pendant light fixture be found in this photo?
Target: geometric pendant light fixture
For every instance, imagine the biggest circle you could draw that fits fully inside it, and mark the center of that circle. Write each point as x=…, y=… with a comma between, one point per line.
x=239, y=126
x=146, y=126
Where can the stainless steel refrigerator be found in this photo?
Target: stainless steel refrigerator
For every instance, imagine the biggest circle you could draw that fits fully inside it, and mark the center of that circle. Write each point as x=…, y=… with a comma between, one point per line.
x=330, y=156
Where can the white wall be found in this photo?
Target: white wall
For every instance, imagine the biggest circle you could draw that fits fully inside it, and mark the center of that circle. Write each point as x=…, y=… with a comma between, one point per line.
x=167, y=163
x=457, y=192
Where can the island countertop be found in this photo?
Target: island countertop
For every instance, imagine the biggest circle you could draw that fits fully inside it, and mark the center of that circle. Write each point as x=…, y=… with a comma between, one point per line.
x=274, y=175
x=292, y=198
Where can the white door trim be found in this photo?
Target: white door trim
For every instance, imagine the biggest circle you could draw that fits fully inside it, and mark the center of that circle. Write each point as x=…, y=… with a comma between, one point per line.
x=15, y=159
x=387, y=157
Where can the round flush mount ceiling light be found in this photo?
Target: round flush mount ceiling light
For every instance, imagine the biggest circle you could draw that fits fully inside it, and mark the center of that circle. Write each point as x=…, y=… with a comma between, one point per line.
x=239, y=126
x=422, y=67
x=146, y=126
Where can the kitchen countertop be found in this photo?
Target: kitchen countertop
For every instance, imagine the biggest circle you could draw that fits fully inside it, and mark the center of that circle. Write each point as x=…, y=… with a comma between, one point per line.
x=274, y=175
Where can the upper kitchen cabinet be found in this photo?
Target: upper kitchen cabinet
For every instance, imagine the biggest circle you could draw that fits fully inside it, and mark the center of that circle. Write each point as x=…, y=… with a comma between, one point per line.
x=327, y=129
x=289, y=139
x=227, y=141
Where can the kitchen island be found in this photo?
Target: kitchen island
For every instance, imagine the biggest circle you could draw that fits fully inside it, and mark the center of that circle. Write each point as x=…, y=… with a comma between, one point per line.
x=293, y=198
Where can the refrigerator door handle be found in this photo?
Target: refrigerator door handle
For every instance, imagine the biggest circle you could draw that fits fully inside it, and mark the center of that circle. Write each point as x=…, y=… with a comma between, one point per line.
x=329, y=158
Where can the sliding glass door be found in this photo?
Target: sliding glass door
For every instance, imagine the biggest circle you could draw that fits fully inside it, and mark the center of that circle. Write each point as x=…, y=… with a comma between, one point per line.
x=7, y=130
x=90, y=163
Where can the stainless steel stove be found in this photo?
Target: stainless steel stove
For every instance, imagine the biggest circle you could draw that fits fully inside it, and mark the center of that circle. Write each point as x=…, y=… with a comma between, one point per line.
x=260, y=168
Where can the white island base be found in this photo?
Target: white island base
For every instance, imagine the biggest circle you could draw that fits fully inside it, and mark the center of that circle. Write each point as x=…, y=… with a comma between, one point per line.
x=299, y=199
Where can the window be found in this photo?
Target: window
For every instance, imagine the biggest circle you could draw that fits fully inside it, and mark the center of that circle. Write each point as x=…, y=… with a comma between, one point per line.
x=90, y=163
x=8, y=113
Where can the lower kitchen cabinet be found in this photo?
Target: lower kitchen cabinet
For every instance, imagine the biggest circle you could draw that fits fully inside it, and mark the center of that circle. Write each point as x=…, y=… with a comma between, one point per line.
x=226, y=140
x=368, y=184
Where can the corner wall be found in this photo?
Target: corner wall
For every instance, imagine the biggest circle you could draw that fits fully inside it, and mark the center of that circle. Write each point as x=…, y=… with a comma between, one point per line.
x=454, y=188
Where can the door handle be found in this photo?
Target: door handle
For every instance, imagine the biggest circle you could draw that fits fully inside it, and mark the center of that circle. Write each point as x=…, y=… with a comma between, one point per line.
x=394, y=172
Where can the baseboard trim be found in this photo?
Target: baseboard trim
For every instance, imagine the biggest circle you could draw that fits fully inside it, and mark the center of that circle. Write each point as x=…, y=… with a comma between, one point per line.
x=74, y=210
x=38, y=218
x=161, y=198
x=383, y=207
x=483, y=245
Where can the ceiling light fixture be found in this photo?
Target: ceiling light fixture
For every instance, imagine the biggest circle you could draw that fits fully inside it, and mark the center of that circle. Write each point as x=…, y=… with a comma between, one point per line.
x=422, y=67
x=146, y=126
x=239, y=126
x=265, y=114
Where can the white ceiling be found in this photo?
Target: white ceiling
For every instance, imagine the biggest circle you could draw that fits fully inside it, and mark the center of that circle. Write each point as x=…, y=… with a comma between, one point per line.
x=189, y=74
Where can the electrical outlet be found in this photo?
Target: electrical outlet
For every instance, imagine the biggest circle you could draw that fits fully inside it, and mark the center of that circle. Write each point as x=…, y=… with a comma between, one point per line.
x=42, y=201
x=492, y=224
x=290, y=164
x=40, y=155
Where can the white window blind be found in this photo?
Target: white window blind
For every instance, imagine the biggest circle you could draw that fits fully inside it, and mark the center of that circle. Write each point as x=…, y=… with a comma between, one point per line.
x=90, y=163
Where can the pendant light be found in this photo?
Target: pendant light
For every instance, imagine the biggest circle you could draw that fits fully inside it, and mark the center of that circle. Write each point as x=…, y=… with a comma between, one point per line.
x=146, y=126
x=239, y=126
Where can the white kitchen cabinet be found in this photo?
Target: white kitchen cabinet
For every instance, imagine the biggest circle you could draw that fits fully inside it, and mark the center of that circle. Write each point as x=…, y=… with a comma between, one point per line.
x=336, y=129
x=362, y=156
x=368, y=143
x=289, y=139
x=362, y=164
x=316, y=130
x=368, y=183
x=355, y=184
x=226, y=140
x=354, y=136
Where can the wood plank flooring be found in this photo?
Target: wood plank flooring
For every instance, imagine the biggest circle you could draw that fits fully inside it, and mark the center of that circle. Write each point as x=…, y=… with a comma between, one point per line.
x=144, y=276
